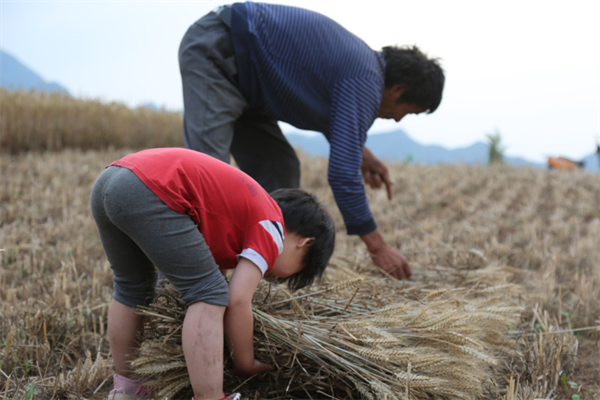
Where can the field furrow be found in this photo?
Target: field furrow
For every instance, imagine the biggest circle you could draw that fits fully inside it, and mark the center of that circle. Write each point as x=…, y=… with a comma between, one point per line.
x=460, y=227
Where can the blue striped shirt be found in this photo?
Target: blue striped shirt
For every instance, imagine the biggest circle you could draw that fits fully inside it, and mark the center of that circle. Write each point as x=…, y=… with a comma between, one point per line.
x=305, y=69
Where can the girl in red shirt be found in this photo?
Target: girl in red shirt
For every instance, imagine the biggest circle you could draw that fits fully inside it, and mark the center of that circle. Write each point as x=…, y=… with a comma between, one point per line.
x=191, y=216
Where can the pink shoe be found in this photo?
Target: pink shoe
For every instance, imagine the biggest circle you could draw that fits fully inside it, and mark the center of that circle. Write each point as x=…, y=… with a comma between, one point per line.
x=148, y=392
x=141, y=394
x=124, y=387
x=125, y=396
x=233, y=396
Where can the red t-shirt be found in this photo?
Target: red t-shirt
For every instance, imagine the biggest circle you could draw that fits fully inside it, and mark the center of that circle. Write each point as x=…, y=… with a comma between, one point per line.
x=236, y=216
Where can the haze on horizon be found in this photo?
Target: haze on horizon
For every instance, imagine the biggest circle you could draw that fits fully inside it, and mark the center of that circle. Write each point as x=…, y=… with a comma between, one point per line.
x=530, y=69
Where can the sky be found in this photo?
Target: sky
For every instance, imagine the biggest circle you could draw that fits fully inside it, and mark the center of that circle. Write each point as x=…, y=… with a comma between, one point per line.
x=528, y=69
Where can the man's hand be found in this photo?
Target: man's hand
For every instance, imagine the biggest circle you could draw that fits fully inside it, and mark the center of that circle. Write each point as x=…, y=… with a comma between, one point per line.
x=385, y=256
x=375, y=172
x=256, y=368
x=391, y=260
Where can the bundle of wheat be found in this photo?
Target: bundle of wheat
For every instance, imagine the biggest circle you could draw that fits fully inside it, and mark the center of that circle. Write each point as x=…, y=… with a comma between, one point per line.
x=359, y=338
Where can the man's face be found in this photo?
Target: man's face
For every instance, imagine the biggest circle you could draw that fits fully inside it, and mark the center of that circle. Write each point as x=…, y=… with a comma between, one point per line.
x=390, y=108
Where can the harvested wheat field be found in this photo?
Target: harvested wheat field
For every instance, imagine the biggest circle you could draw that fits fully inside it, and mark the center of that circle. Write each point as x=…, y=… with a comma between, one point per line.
x=504, y=301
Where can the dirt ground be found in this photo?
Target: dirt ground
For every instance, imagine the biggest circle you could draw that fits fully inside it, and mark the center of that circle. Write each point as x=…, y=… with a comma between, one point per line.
x=450, y=221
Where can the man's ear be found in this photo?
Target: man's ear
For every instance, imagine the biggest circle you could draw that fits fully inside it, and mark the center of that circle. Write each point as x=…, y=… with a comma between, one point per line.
x=397, y=91
x=305, y=242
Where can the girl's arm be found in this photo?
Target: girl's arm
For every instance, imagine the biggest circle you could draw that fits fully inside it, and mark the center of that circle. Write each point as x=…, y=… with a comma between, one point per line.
x=239, y=321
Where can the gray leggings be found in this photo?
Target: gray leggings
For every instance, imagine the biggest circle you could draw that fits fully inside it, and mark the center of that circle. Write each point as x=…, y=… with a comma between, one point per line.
x=139, y=232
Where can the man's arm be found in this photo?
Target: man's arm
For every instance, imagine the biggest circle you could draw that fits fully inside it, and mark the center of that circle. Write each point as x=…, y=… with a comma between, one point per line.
x=375, y=173
x=239, y=321
x=350, y=120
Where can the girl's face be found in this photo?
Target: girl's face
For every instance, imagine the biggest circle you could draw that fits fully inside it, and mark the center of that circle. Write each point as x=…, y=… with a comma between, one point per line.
x=290, y=260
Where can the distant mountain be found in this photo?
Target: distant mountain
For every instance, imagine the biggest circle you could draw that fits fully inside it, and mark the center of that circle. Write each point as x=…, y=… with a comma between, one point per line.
x=152, y=106
x=15, y=75
x=398, y=146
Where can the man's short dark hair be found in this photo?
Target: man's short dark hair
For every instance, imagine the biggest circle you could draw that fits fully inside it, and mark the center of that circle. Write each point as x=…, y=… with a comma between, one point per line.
x=423, y=76
x=304, y=215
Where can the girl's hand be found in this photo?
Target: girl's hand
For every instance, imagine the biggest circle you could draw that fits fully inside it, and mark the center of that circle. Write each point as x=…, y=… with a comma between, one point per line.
x=257, y=368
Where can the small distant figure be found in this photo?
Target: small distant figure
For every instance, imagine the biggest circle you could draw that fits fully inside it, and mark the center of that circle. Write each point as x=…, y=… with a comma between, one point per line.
x=562, y=163
x=496, y=148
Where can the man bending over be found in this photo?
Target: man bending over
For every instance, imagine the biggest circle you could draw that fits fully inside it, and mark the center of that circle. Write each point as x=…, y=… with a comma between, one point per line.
x=247, y=66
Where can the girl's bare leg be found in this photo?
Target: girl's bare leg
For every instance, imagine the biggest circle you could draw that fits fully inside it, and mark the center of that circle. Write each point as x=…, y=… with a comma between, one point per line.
x=123, y=326
x=203, y=349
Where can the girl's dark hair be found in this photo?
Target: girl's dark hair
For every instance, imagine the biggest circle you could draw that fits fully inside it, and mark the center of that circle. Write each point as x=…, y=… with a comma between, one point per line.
x=423, y=76
x=304, y=215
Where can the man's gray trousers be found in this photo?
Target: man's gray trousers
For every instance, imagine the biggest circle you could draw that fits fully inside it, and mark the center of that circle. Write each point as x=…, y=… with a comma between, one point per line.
x=217, y=118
